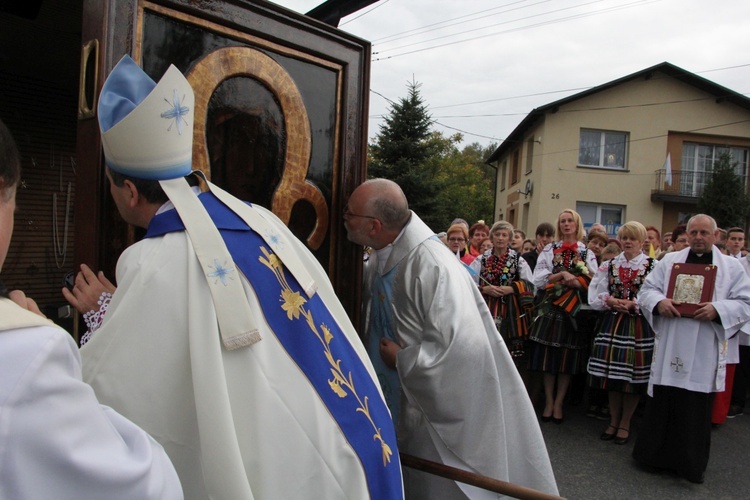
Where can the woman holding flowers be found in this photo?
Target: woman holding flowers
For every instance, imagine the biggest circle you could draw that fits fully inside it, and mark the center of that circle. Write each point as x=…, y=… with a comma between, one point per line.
x=504, y=279
x=562, y=274
x=620, y=361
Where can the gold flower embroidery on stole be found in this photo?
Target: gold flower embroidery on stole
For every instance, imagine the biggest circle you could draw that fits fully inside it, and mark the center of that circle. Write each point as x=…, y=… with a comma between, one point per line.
x=294, y=305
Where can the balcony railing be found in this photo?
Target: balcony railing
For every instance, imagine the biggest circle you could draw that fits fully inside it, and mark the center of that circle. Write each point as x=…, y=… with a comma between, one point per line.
x=686, y=185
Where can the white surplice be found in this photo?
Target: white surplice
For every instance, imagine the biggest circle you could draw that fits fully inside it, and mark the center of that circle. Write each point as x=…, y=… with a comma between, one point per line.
x=692, y=354
x=56, y=440
x=464, y=403
x=745, y=339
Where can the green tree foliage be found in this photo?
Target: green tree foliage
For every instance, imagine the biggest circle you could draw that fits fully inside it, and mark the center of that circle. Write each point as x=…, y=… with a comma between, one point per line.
x=440, y=181
x=469, y=185
x=725, y=196
x=403, y=152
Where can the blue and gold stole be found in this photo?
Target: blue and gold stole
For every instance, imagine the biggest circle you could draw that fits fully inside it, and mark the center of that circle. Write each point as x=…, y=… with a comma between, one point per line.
x=311, y=336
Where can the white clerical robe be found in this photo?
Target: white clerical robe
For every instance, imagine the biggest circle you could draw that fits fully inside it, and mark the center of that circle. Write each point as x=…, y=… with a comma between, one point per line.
x=691, y=354
x=464, y=403
x=56, y=440
x=745, y=339
x=237, y=424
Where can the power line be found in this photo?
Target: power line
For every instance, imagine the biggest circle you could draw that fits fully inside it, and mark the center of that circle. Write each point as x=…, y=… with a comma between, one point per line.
x=465, y=132
x=436, y=26
x=578, y=110
x=553, y=11
x=509, y=98
x=571, y=90
x=380, y=4
x=384, y=97
x=521, y=28
x=648, y=138
x=560, y=91
x=599, y=108
x=433, y=121
x=390, y=101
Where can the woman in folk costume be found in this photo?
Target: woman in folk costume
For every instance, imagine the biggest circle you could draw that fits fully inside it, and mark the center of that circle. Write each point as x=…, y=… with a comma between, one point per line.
x=504, y=279
x=620, y=361
x=563, y=272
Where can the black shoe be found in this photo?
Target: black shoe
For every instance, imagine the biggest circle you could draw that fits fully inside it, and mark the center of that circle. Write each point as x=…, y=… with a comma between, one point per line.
x=697, y=479
x=735, y=411
x=605, y=436
x=622, y=440
x=592, y=411
x=557, y=420
x=547, y=418
x=651, y=469
x=603, y=413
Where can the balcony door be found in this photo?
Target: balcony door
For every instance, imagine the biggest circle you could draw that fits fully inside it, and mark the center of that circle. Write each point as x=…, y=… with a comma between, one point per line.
x=698, y=164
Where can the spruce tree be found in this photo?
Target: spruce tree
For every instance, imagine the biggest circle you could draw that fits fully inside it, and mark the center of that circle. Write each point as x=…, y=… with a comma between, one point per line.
x=402, y=152
x=725, y=196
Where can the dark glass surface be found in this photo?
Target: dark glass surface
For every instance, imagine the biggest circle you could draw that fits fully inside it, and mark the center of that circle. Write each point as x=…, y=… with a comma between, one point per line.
x=245, y=131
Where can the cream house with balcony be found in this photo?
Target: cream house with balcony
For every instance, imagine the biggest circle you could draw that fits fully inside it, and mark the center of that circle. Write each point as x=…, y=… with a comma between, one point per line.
x=603, y=151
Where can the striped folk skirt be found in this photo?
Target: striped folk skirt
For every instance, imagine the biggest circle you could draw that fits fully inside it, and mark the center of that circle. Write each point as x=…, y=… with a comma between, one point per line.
x=556, y=344
x=621, y=355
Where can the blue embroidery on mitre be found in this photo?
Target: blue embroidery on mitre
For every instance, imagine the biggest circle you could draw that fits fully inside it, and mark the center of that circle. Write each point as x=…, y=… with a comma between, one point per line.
x=221, y=272
x=177, y=112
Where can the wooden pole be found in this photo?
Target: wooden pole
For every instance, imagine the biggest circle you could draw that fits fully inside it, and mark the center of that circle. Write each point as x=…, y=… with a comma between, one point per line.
x=474, y=479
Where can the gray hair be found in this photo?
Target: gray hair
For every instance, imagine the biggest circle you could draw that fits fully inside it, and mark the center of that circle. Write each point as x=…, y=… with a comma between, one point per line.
x=389, y=203
x=501, y=225
x=714, y=226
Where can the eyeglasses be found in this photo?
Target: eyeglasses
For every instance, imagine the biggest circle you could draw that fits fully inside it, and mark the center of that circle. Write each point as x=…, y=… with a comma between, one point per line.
x=456, y=240
x=348, y=213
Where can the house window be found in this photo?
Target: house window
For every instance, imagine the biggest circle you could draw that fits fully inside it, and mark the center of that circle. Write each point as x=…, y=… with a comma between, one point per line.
x=602, y=149
x=514, y=168
x=609, y=215
x=698, y=164
x=529, y=154
x=503, y=174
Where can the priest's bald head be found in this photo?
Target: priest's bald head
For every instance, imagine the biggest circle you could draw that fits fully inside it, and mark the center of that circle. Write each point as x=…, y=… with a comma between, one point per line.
x=702, y=233
x=376, y=213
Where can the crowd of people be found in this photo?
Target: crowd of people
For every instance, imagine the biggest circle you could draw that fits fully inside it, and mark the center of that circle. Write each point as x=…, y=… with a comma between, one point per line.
x=223, y=364
x=598, y=310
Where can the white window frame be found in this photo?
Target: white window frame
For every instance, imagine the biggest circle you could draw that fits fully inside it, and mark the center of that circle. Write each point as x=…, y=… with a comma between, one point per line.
x=606, y=155
x=698, y=162
x=611, y=226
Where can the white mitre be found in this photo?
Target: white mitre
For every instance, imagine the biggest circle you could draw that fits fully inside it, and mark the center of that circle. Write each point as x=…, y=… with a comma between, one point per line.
x=146, y=128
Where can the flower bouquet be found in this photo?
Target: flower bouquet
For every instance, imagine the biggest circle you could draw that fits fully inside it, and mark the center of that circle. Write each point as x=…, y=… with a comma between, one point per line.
x=564, y=297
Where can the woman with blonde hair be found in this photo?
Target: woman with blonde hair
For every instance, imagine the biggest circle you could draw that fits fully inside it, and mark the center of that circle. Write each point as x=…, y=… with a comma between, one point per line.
x=456, y=237
x=620, y=360
x=563, y=272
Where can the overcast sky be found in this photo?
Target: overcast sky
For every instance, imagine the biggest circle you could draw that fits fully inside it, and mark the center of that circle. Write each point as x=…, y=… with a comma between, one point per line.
x=484, y=65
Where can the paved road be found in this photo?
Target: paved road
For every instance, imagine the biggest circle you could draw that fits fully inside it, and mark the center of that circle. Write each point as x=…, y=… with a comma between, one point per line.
x=588, y=468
